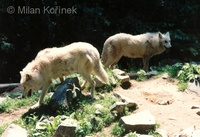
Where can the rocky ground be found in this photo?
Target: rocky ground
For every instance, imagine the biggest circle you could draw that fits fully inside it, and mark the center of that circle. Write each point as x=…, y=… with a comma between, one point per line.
x=172, y=108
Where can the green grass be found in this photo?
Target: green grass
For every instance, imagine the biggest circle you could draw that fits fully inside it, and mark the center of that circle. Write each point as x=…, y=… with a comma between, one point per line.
x=131, y=134
x=2, y=128
x=182, y=86
x=87, y=110
x=83, y=111
x=118, y=130
x=154, y=133
x=11, y=104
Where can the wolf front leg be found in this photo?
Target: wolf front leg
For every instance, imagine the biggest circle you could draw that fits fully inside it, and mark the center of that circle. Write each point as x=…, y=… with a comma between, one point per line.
x=44, y=91
x=146, y=63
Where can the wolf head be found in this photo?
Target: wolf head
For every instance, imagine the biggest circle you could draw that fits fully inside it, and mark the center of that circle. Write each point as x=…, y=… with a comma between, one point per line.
x=30, y=80
x=164, y=40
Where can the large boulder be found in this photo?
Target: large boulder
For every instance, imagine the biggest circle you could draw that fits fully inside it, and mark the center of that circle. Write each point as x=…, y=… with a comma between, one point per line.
x=119, y=107
x=15, y=131
x=139, y=122
x=67, y=128
x=129, y=102
x=66, y=93
x=194, y=87
x=121, y=75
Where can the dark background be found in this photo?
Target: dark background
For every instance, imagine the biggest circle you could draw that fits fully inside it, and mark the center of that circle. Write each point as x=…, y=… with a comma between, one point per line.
x=23, y=35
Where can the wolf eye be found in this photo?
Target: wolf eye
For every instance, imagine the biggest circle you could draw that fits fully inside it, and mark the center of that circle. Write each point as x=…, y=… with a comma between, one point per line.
x=166, y=41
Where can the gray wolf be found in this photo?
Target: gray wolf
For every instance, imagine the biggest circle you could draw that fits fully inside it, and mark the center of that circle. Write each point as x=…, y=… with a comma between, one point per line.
x=142, y=46
x=52, y=63
x=46, y=51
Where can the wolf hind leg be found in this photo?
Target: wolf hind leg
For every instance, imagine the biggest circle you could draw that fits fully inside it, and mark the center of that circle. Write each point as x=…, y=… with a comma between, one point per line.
x=112, y=61
x=110, y=55
x=83, y=85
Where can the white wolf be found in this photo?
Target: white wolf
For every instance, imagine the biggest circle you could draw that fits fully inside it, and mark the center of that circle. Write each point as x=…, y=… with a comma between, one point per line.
x=53, y=63
x=139, y=46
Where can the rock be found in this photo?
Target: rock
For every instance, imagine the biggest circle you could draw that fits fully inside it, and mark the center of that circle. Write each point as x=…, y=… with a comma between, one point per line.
x=189, y=132
x=139, y=122
x=121, y=75
x=2, y=99
x=119, y=72
x=152, y=73
x=15, y=131
x=98, y=107
x=162, y=132
x=165, y=76
x=97, y=112
x=196, y=133
x=67, y=128
x=165, y=102
x=66, y=93
x=194, y=87
x=133, y=75
x=129, y=102
x=195, y=107
x=186, y=133
x=119, y=107
x=198, y=113
x=148, y=74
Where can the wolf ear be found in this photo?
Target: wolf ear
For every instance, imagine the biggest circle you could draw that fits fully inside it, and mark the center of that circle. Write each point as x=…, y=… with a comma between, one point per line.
x=21, y=72
x=167, y=33
x=28, y=77
x=160, y=35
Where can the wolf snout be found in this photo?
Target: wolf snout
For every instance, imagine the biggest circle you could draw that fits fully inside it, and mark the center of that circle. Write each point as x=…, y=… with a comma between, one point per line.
x=26, y=94
x=168, y=46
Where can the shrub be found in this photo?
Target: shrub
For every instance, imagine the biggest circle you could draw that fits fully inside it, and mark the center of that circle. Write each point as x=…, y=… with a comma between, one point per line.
x=189, y=72
x=118, y=130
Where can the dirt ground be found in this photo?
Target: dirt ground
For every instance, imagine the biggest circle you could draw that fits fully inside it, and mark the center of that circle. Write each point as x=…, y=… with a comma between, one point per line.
x=171, y=108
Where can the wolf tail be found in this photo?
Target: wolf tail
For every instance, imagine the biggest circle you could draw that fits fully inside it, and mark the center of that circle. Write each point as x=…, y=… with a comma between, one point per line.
x=101, y=73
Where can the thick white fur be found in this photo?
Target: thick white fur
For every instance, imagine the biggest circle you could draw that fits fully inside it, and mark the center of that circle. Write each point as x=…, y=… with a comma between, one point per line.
x=52, y=63
x=139, y=46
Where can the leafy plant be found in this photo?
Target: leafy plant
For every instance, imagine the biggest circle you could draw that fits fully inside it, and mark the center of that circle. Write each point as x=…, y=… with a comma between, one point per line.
x=154, y=133
x=84, y=128
x=182, y=85
x=108, y=119
x=189, y=72
x=118, y=130
x=131, y=134
x=52, y=126
x=141, y=75
x=171, y=70
x=3, y=128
